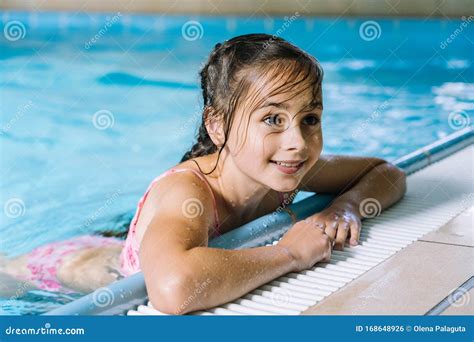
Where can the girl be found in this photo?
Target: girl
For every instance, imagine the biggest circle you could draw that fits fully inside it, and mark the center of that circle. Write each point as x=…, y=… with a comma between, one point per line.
x=259, y=142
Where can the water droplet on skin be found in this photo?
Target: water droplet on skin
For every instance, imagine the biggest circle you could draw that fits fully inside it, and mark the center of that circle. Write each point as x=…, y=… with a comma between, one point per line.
x=194, y=184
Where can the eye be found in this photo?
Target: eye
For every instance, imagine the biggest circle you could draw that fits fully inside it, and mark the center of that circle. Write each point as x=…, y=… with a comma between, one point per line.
x=312, y=120
x=273, y=120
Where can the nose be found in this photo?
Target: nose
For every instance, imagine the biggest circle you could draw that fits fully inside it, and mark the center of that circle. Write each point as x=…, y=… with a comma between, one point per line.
x=293, y=139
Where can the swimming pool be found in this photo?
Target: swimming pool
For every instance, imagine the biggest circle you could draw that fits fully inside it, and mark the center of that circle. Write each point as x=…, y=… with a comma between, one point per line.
x=94, y=106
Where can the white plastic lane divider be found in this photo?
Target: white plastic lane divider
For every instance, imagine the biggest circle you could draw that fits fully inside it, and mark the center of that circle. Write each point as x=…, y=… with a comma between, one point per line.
x=435, y=195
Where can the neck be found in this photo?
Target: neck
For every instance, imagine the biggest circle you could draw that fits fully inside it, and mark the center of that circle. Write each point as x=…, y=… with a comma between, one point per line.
x=239, y=194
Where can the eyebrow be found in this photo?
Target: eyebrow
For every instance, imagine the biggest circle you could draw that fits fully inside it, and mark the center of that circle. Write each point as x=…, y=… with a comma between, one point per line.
x=311, y=105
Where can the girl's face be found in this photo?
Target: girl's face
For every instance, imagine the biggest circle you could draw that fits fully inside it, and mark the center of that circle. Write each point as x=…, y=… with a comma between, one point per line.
x=282, y=142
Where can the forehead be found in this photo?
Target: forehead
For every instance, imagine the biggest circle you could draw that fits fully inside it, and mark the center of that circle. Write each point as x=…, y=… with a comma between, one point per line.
x=287, y=90
x=305, y=100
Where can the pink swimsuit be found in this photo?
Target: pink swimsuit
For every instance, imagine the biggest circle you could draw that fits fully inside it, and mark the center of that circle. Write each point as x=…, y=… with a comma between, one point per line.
x=43, y=261
x=129, y=256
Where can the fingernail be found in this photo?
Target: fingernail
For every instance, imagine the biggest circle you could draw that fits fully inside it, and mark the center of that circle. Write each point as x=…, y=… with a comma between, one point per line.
x=354, y=242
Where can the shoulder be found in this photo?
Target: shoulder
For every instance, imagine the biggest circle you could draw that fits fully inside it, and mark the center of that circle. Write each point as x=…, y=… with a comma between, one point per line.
x=174, y=201
x=181, y=193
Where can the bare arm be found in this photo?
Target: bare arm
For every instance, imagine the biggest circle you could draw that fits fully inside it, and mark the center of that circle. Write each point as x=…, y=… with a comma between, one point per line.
x=364, y=186
x=354, y=179
x=382, y=186
x=229, y=274
x=181, y=273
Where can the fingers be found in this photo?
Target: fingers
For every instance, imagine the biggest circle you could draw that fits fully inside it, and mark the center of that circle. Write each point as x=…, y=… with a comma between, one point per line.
x=331, y=230
x=327, y=255
x=338, y=228
x=316, y=223
x=342, y=231
x=355, y=228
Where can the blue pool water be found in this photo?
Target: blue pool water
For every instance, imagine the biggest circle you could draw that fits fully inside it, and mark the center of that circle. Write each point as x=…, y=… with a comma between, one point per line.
x=94, y=106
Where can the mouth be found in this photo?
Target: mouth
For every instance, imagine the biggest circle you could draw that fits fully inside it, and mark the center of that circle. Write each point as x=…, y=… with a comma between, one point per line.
x=288, y=166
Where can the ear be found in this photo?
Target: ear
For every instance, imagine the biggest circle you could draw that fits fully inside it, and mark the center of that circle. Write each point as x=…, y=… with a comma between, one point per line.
x=214, y=126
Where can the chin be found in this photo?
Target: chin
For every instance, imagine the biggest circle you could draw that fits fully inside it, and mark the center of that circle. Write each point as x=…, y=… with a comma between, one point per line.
x=286, y=187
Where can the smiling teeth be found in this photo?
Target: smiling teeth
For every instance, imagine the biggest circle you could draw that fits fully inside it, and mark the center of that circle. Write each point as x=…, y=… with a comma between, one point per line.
x=287, y=164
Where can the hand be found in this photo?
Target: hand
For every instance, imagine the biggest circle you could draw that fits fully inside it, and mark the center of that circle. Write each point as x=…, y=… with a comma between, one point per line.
x=307, y=245
x=339, y=222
